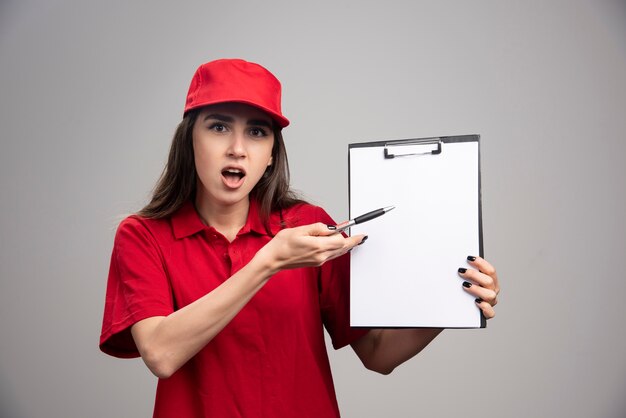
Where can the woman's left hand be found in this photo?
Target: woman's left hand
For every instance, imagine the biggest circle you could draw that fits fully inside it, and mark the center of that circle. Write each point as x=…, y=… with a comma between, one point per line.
x=481, y=282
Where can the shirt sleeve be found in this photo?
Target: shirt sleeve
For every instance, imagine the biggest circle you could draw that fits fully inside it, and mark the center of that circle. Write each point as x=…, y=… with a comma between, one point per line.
x=137, y=287
x=335, y=296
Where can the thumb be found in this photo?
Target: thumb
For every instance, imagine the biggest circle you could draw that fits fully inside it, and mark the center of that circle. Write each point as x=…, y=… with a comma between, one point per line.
x=320, y=229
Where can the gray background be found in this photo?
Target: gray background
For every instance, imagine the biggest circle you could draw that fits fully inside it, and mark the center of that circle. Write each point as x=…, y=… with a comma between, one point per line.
x=90, y=94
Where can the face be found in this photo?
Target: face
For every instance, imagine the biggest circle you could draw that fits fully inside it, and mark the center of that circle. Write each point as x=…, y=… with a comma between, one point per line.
x=232, y=145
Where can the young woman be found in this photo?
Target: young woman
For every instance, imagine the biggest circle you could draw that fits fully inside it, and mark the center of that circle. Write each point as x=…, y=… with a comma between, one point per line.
x=224, y=282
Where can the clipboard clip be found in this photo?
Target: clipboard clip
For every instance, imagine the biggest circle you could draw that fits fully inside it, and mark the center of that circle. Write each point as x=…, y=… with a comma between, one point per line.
x=430, y=141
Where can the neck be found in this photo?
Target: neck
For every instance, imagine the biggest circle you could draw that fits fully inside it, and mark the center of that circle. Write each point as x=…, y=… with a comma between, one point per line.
x=228, y=219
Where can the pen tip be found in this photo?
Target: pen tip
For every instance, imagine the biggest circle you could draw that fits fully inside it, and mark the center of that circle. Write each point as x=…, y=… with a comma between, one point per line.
x=388, y=208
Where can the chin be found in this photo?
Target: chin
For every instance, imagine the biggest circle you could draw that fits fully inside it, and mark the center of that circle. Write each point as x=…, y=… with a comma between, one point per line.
x=232, y=198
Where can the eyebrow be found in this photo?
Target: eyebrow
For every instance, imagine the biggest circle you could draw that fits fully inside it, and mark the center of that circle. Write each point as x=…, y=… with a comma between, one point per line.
x=230, y=119
x=259, y=122
x=219, y=117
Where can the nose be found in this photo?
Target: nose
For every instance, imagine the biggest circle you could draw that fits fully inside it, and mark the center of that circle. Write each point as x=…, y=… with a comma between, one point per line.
x=237, y=146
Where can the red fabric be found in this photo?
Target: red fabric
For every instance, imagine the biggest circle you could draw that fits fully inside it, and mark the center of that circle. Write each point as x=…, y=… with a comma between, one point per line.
x=236, y=80
x=271, y=360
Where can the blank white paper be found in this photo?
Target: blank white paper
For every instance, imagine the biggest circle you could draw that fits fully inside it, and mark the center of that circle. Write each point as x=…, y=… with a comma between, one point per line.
x=405, y=275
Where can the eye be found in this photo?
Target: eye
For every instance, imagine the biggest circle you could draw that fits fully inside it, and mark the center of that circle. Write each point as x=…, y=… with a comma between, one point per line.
x=258, y=132
x=217, y=127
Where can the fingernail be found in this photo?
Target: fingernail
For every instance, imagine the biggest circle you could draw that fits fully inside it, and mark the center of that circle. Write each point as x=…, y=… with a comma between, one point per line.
x=478, y=300
x=363, y=240
x=331, y=227
x=471, y=258
x=462, y=270
x=467, y=284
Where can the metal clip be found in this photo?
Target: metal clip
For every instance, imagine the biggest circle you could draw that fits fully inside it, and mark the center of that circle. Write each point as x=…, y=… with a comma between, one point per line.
x=389, y=154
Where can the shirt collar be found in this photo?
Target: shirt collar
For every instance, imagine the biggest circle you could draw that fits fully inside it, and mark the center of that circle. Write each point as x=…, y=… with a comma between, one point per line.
x=254, y=223
x=186, y=221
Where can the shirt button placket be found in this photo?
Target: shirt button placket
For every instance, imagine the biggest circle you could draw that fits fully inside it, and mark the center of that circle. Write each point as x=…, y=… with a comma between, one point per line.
x=221, y=248
x=227, y=261
x=234, y=252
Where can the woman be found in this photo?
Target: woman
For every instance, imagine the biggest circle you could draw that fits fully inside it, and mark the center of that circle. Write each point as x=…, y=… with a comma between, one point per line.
x=224, y=282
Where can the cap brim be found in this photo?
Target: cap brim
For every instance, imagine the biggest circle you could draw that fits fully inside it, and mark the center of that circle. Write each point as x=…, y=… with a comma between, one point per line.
x=279, y=119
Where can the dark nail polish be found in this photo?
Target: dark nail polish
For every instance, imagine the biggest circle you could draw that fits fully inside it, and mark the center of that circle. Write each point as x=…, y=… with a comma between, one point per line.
x=471, y=258
x=331, y=227
x=462, y=270
x=478, y=300
x=467, y=284
x=363, y=240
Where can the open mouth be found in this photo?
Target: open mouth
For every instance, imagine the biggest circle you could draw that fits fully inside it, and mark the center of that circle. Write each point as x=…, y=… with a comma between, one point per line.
x=233, y=177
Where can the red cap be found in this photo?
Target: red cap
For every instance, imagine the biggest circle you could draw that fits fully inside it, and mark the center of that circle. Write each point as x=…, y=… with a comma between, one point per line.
x=235, y=80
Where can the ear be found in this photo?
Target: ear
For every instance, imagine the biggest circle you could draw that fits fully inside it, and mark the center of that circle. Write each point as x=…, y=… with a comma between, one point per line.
x=269, y=163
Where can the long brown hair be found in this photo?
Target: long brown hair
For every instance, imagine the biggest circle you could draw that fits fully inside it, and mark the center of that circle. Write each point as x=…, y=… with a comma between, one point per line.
x=178, y=180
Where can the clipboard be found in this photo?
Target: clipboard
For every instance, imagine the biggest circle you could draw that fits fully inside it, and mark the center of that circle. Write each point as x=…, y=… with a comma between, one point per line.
x=406, y=273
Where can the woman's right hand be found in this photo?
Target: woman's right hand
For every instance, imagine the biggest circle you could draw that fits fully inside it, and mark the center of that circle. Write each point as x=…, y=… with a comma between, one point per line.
x=166, y=343
x=306, y=246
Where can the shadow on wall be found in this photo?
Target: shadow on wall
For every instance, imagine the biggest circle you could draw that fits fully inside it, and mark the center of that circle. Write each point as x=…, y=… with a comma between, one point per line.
x=8, y=407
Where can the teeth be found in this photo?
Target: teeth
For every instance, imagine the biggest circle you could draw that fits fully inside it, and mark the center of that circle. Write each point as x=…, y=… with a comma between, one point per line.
x=233, y=171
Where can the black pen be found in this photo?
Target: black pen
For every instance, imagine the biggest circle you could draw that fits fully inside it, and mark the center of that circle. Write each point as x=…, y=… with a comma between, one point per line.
x=363, y=218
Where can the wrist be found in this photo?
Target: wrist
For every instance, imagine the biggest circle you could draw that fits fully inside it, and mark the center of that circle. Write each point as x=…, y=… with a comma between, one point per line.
x=265, y=264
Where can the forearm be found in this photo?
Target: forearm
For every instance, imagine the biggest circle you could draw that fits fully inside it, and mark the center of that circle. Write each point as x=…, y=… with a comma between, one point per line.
x=167, y=343
x=383, y=350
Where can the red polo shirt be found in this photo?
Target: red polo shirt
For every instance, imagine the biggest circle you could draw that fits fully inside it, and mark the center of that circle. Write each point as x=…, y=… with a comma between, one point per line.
x=270, y=360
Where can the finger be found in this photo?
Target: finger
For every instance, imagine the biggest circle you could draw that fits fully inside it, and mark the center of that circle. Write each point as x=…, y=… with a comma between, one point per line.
x=348, y=244
x=487, y=309
x=335, y=244
x=355, y=240
x=319, y=229
x=487, y=295
x=484, y=266
x=326, y=230
x=477, y=277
